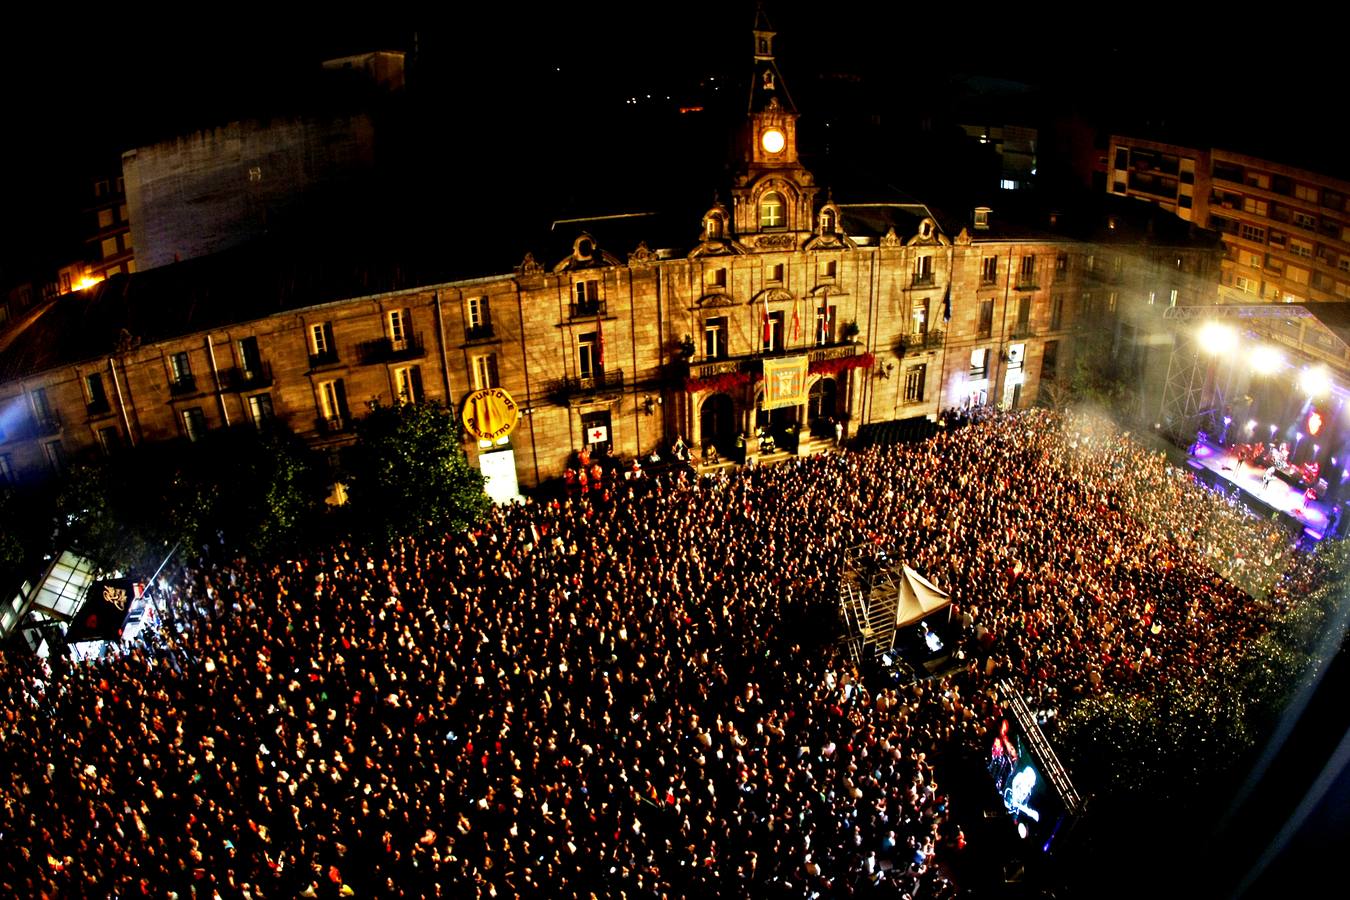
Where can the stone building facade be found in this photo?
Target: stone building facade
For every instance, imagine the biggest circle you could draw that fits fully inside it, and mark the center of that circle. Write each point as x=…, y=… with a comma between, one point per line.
x=630, y=340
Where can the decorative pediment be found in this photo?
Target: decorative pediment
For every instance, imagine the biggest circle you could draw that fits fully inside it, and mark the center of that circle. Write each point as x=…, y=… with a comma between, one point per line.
x=642, y=257
x=715, y=299
x=773, y=295
x=928, y=235
x=836, y=241
x=821, y=291
x=529, y=266
x=890, y=240
x=586, y=254
x=963, y=239
x=718, y=248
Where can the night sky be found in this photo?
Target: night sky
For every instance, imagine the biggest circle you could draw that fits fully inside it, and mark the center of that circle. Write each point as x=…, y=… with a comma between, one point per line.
x=78, y=92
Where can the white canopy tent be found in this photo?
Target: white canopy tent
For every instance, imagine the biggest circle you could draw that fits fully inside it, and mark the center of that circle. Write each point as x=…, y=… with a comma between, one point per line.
x=919, y=598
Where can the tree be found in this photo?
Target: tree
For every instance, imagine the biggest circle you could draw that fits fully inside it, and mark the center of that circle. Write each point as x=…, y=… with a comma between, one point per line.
x=408, y=473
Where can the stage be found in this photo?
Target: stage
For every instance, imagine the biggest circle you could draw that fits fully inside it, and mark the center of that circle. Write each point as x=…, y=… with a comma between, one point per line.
x=1278, y=495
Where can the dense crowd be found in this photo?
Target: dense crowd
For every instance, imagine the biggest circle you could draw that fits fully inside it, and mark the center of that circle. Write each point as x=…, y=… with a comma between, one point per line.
x=626, y=692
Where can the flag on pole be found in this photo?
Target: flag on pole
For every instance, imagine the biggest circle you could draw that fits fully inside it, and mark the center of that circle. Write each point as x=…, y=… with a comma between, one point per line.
x=600, y=338
x=796, y=321
x=768, y=332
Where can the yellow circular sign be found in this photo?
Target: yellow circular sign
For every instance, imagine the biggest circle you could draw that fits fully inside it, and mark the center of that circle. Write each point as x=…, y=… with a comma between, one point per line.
x=490, y=414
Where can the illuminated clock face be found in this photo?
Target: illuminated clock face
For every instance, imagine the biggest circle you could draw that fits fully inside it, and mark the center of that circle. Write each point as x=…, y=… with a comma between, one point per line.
x=773, y=141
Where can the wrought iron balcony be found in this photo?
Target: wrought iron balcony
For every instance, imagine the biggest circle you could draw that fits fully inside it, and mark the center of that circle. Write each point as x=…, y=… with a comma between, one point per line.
x=1028, y=283
x=183, y=384
x=389, y=350
x=583, y=308
x=99, y=407
x=923, y=279
x=47, y=424
x=333, y=424
x=326, y=358
x=478, y=332
x=563, y=388
x=919, y=343
x=1022, y=331
x=249, y=379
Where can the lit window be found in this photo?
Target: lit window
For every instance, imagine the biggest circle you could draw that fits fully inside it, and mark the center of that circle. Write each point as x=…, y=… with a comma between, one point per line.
x=771, y=210
x=485, y=371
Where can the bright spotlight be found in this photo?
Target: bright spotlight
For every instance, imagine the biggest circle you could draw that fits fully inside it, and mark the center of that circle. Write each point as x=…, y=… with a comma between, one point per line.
x=1267, y=360
x=1251, y=425
x=1217, y=338
x=1315, y=382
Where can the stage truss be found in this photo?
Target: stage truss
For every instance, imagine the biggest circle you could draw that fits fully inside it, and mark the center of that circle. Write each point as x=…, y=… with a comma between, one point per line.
x=869, y=601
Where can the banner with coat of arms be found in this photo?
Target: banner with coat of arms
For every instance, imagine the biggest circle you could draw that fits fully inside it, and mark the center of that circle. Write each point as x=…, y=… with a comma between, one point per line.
x=784, y=382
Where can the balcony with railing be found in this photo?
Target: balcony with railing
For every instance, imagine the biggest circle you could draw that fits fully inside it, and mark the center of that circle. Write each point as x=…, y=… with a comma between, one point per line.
x=99, y=407
x=921, y=342
x=331, y=425
x=249, y=378
x=1028, y=281
x=563, y=389
x=324, y=359
x=581, y=309
x=482, y=332
x=1022, y=330
x=47, y=424
x=183, y=385
x=389, y=350
x=922, y=280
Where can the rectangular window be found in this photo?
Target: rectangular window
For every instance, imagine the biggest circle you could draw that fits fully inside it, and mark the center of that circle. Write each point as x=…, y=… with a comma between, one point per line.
x=260, y=410
x=1304, y=192
x=322, y=348
x=1255, y=207
x=773, y=333
x=919, y=314
x=923, y=270
x=979, y=369
x=986, y=328
x=194, y=424
x=1089, y=305
x=1023, y=313
x=776, y=273
x=56, y=456
x=42, y=408
x=109, y=439
x=715, y=338
x=250, y=359
x=1184, y=201
x=1252, y=233
x=1056, y=312
x=1049, y=360
x=1257, y=180
x=1303, y=220
x=179, y=366
x=1301, y=248
x=1122, y=158
x=399, y=322
x=1343, y=263
x=989, y=270
x=587, y=298
x=1244, y=284
x=1026, y=276
x=916, y=377
x=717, y=277
x=1062, y=262
x=408, y=382
x=480, y=319
x=1172, y=297
x=333, y=404
x=1111, y=298
x=588, y=355
x=108, y=246
x=485, y=366
x=97, y=397
x=825, y=325
x=6, y=469
x=1296, y=275
x=105, y=218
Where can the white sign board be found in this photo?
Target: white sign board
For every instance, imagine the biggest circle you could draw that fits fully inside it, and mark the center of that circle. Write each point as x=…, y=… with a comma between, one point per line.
x=499, y=468
x=597, y=434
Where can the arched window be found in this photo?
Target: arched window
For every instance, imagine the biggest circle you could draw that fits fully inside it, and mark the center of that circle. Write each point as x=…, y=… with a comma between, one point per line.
x=771, y=210
x=827, y=222
x=714, y=228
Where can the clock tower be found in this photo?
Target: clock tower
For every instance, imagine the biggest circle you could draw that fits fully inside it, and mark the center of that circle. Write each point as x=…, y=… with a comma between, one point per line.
x=772, y=195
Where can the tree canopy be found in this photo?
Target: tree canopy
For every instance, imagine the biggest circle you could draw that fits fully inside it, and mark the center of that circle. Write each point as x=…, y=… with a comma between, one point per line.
x=409, y=475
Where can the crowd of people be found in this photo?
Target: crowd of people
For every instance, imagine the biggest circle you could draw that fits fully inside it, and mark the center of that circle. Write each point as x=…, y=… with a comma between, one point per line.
x=622, y=692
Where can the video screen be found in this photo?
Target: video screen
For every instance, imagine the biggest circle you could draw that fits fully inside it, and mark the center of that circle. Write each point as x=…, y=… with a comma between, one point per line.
x=1027, y=795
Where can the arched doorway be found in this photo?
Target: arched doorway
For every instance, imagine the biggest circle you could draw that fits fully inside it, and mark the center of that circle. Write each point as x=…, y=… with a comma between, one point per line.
x=821, y=407
x=717, y=424
x=779, y=424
